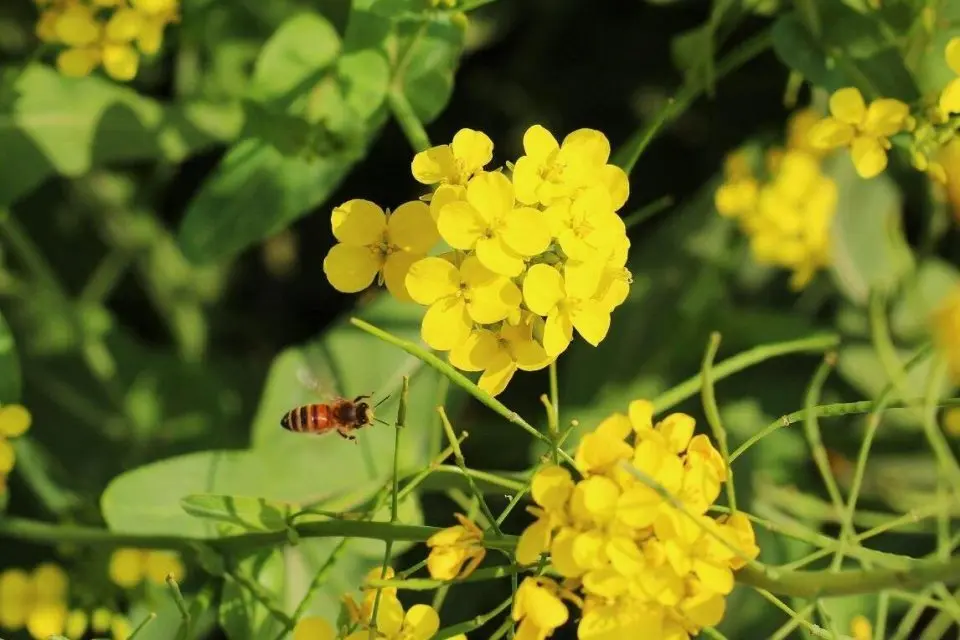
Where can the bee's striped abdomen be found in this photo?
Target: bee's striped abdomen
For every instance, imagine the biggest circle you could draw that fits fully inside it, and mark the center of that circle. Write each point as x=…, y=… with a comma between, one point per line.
x=308, y=418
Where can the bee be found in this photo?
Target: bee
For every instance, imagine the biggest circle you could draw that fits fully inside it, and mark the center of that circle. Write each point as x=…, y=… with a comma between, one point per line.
x=342, y=415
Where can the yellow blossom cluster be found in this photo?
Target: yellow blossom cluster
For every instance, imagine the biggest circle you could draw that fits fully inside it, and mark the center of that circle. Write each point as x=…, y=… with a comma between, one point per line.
x=456, y=551
x=37, y=601
x=15, y=419
x=528, y=255
x=788, y=215
x=129, y=567
x=111, y=33
x=419, y=622
x=632, y=539
x=946, y=331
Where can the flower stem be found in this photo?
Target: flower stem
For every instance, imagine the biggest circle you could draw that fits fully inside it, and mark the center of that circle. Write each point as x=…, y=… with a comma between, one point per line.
x=712, y=412
x=408, y=121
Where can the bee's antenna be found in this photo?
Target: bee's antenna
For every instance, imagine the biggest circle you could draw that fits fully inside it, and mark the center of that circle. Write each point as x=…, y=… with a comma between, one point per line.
x=381, y=421
x=382, y=400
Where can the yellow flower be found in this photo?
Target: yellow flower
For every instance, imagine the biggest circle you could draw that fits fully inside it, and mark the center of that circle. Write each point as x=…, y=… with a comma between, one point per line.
x=373, y=244
x=120, y=627
x=453, y=548
x=15, y=420
x=860, y=628
x=489, y=222
x=100, y=620
x=160, y=564
x=49, y=583
x=567, y=303
x=16, y=598
x=586, y=227
x=47, y=620
x=946, y=331
x=420, y=622
x=950, y=97
x=538, y=609
x=313, y=628
x=500, y=353
x=127, y=567
x=75, y=625
x=615, y=278
x=865, y=130
x=798, y=131
x=455, y=163
x=551, y=488
x=549, y=171
x=458, y=297
x=77, y=26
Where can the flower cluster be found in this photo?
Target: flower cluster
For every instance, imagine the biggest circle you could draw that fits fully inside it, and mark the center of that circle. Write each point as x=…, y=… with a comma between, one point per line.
x=632, y=539
x=111, y=33
x=456, y=551
x=419, y=622
x=38, y=602
x=14, y=422
x=788, y=216
x=538, y=251
x=129, y=567
x=946, y=331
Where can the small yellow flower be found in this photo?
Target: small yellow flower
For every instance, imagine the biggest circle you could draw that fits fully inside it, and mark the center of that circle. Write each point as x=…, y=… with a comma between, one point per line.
x=538, y=609
x=160, y=564
x=567, y=301
x=455, y=547
x=47, y=620
x=946, y=331
x=313, y=628
x=951, y=421
x=950, y=97
x=50, y=583
x=860, y=628
x=586, y=227
x=458, y=297
x=127, y=567
x=100, y=620
x=420, y=622
x=373, y=244
x=500, y=353
x=15, y=420
x=16, y=598
x=120, y=627
x=864, y=129
x=75, y=626
x=489, y=222
x=454, y=163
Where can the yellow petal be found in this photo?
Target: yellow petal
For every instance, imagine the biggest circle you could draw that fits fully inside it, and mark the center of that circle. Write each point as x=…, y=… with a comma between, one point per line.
x=952, y=54
x=950, y=98
x=50, y=582
x=77, y=27
x=557, y=333
x=473, y=149
x=151, y=37
x=445, y=324
x=641, y=415
x=78, y=63
x=395, y=270
x=497, y=256
x=526, y=180
x=533, y=541
x=591, y=321
x=8, y=458
x=124, y=25
x=127, y=567
x=47, y=620
x=717, y=579
x=351, y=269
x=617, y=183
x=498, y=374
x=476, y=352
x=538, y=143
x=120, y=62
x=75, y=626
x=543, y=289
x=588, y=144
x=551, y=487
x=444, y=195
x=527, y=231
x=411, y=228
x=491, y=194
x=846, y=105
x=830, y=133
x=160, y=564
x=434, y=165
x=15, y=419
x=358, y=223
x=705, y=609
x=561, y=554
x=581, y=279
x=886, y=117
x=461, y=225
x=493, y=302
x=606, y=583
x=530, y=354
x=638, y=506
x=677, y=428
x=446, y=563
x=313, y=628
x=544, y=609
x=432, y=278
x=869, y=157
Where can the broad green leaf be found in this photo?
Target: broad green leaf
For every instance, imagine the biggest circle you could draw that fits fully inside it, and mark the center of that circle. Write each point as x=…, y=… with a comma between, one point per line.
x=868, y=249
x=430, y=53
x=249, y=514
x=798, y=49
x=9, y=366
x=59, y=125
x=255, y=192
x=365, y=77
x=242, y=615
x=301, y=48
x=933, y=74
x=921, y=295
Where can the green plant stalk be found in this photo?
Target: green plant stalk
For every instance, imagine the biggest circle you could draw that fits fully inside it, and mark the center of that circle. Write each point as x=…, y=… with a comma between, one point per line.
x=143, y=624
x=827, y=411
x=648, y=211
x=180, y=602
x=428, y=584
x=456, y=378
x=938, y=442
x=408, y=121
x=458, y=457
x=690, y=387
x=797, y=618
x=262, y=596
x=712, y=411
x=554, y=416
x=474, y=623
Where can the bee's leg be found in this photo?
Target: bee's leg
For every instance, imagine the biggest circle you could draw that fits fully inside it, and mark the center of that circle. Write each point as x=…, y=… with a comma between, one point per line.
x=346, y=435
x=359, y=398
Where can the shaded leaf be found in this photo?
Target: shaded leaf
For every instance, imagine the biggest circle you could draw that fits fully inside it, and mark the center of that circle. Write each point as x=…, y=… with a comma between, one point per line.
x=9, y=366
x=426, y=67
x=250, y=514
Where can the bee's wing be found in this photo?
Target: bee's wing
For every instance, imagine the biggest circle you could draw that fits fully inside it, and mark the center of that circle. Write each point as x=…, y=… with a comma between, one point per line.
x=324, y=388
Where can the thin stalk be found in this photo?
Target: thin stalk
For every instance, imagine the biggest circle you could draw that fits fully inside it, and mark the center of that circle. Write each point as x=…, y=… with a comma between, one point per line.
x=458, y=457
x=712, y=412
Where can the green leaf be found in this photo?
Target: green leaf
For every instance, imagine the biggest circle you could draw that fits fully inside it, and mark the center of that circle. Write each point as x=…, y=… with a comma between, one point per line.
x=430, y=54
x=245, y=513
x=365, y=76
x=242, y=615
x=869, y=251
x=303, y=47
x=255, y=192
x=59, y=125
x=799, y=49
x=9, y=366
x=933, y=73
x=921, y=295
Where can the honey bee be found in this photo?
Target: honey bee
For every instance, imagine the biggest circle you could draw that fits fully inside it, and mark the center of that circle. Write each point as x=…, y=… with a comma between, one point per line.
x=343, y=415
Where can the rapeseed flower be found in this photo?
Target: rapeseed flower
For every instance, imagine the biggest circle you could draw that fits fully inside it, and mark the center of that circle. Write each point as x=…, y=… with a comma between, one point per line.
x=866, y=130
x=639, y=555
x=313, y=628
x=455, y=547
x=949, y=102
x=567, y=301
x=36, y=601
x=15, y=420
x=455, y=163
x=374, y=244
x=946, y=331
x=129, y=567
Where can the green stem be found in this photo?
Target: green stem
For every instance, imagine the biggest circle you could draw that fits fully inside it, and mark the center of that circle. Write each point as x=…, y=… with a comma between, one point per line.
x=647, y=211
x=554, y=401
x=941, y=448
x=427, y=584
x=458, y=379
x=689, y=388
x=712, y=412
x=408, y=121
